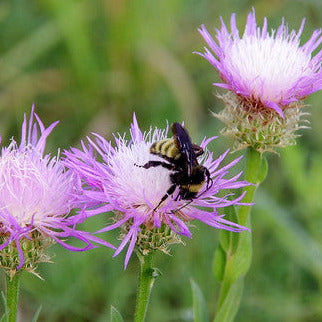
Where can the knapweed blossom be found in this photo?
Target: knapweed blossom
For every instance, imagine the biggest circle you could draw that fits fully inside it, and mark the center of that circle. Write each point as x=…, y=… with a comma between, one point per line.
x=133, y=193
x=36, y=196
x=268, y=75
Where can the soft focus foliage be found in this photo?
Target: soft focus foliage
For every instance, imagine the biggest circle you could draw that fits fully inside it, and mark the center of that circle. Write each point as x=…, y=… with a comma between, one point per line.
x=90, y=64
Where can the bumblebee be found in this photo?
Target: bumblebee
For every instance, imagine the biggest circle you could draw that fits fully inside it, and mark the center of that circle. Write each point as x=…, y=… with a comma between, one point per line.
x=185, y=171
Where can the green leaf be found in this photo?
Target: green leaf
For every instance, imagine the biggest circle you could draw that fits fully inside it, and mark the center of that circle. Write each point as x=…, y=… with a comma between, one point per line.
x=115, y=315
x=228, y=239
x=229, y=308
x=219, y=263
x=227, y=247
x=239, y=264
x=233, y=267
x=200, y=313
x=5, y=314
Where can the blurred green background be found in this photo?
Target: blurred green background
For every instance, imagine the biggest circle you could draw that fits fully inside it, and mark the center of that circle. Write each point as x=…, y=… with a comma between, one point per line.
x=91, y=64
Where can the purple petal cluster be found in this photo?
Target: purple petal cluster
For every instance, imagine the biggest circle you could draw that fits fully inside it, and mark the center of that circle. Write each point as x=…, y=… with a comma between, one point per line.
x=37, y=192
x=112, y=181
x=269, y=67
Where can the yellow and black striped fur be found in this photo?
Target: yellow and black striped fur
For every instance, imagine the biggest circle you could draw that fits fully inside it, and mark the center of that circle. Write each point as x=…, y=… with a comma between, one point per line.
x=166, y=149
x=185, y=171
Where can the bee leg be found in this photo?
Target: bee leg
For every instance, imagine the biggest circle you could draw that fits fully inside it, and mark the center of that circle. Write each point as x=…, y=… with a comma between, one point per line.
x=183, y=206
x=153, y=164
x=209, y=180
x=169, y=192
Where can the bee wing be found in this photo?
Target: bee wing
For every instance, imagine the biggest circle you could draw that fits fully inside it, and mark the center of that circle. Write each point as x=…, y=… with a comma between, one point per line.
x=198, y=150
x=183, y=142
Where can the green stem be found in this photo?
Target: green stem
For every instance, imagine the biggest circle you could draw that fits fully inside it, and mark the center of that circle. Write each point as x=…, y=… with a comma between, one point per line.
x=146, y=280
x=12, y=296
x=253, y=174
x=237, y=248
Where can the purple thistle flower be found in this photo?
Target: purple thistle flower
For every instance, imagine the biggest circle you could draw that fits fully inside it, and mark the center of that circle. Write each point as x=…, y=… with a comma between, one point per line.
x=36, y=195
x=117, y=184
x=270, y=68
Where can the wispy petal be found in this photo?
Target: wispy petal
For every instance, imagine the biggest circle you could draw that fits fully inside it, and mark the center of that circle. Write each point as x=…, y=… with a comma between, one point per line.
x=271, y=68
x=133, y=193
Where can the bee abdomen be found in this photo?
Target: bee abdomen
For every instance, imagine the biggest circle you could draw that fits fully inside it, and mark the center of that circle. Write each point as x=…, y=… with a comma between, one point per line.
x=193, y=188
x=166, y=148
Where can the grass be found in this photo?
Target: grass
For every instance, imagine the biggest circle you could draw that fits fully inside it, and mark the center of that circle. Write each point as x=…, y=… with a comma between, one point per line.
x=91, y=64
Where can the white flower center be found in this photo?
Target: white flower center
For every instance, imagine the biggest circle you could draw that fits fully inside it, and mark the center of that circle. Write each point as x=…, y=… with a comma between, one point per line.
x=267, y=68
x=135, y=185
x=32, y=190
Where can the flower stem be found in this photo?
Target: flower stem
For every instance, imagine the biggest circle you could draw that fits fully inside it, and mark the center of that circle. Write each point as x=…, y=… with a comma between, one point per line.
x=12, y=296
x=256, y=169
x=235, y=250
x=146, y=281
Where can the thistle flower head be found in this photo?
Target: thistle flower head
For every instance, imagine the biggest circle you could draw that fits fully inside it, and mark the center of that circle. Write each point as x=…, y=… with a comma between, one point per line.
x=133, y=193
x=268, y=74
x=271, y=68
x=36, y=195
